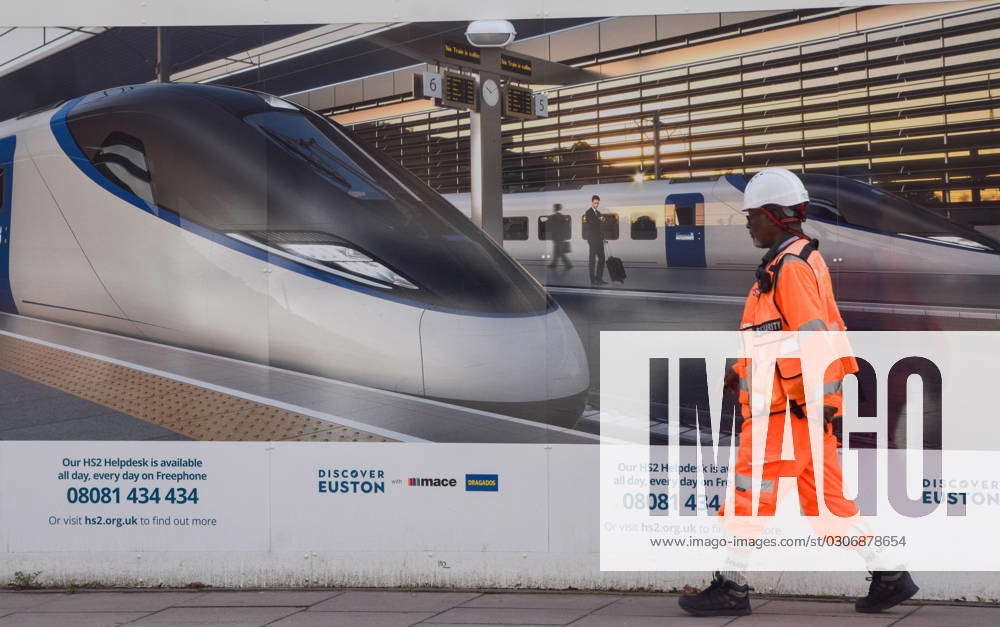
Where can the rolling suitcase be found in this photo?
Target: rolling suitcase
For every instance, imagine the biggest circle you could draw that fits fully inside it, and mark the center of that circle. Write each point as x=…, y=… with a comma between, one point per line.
x=616, y=269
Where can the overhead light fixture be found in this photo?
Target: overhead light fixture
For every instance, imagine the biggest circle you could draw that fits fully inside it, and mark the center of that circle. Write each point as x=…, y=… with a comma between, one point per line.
x=490, y=33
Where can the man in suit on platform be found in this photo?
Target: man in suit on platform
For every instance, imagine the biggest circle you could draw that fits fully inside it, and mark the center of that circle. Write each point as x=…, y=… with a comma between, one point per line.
x=558, y=230
x=594, y=234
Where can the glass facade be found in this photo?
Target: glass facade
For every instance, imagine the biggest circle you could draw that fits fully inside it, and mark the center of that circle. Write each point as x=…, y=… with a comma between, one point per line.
x=909, y=108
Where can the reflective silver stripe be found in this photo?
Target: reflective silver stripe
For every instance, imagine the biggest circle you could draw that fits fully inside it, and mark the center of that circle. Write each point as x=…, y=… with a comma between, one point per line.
x=795, y=257
x=813, y=325
x=744, y=384
x=744, y=483
x=832, y=387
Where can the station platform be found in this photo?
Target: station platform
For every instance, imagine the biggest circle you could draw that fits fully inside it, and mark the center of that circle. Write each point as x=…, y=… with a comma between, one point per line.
x=117, y=386
x=401, y=608
x=206, y=397
x=944, y=295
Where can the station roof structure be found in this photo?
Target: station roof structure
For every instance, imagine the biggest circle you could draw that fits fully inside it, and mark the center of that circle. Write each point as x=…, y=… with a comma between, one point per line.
x=901, y=95
x=41, y=66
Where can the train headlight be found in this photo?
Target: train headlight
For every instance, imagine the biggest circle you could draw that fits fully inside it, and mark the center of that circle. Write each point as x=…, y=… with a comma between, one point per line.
x=278, y=103
x=325, y=252
x=349, y=259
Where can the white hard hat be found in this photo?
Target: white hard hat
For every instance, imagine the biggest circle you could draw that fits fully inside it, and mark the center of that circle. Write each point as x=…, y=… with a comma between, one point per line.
x=774, y=186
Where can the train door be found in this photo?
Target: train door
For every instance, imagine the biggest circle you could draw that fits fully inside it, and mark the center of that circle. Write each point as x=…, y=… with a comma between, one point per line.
x=6, y=187
x=685, y=220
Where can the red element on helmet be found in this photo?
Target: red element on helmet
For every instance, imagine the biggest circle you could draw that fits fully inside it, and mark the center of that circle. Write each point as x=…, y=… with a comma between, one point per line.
x=783, y=222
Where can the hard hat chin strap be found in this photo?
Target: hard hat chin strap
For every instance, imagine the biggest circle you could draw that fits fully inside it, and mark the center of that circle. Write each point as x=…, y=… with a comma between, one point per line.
x=784, y=222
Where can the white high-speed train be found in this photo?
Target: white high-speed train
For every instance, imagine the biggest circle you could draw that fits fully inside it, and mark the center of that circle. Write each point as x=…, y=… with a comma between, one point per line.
x=666, y=224
x=237, y=223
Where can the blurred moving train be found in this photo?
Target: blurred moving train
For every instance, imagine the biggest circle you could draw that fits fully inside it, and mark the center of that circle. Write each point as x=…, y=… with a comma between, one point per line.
x=698, y=224
x=237, y=223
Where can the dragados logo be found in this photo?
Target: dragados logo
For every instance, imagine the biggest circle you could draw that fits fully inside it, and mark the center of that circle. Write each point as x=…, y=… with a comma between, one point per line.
x=482, y=483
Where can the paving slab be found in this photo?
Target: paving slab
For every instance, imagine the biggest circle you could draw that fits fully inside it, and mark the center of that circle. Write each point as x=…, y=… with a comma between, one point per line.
x=952, y=616
x=217, y=616
x=378, y=601
x=23, y=600
x=822, y=608
x=659, y=605
x=543, y=601
x=507, y=616
x=353, y=619
x=76, y=619
x=651, y=621
x=795, y=620
x=116, y=602
x=265, y=598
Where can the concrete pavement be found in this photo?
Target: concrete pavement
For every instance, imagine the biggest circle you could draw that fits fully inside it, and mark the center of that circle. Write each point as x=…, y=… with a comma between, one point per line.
x=393, y=608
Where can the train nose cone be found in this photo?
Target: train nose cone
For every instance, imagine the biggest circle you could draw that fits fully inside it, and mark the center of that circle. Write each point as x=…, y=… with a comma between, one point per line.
x=532, y=366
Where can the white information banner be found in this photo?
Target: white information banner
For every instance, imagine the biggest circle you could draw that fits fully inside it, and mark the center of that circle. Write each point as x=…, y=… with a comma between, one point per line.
x=131, y=496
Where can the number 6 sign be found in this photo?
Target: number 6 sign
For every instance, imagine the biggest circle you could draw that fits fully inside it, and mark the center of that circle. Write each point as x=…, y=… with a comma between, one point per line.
x=432, y=85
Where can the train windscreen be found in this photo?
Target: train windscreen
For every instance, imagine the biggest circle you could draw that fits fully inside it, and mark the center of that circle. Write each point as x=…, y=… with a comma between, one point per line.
x=262, y=171
x=854, y=203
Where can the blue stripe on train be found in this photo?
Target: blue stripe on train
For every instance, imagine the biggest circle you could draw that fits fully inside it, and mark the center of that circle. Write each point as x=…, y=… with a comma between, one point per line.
x=7, y=146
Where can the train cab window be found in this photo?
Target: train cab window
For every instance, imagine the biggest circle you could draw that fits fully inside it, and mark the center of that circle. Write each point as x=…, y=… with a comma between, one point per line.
x=122, y=159
x=515, y=228
x=644, y=226
x=823, y=210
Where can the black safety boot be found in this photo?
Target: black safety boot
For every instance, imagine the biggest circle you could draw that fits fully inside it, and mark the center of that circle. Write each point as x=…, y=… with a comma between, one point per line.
x=722, y=598
x=889, y=588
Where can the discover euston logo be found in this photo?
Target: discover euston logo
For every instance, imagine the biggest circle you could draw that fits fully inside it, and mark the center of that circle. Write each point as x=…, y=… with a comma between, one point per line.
x=351, y=481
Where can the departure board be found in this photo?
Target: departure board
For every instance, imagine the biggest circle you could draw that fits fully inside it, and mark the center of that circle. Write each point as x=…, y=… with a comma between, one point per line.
x=459, y=91
x=517, y=102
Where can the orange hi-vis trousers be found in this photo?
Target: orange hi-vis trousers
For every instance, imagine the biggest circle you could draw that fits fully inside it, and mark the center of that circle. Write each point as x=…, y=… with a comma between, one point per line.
x=802, y=467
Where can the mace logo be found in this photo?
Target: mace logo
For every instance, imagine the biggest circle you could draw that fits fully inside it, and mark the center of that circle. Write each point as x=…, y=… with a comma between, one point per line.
x=482, y=483
x=438, y=482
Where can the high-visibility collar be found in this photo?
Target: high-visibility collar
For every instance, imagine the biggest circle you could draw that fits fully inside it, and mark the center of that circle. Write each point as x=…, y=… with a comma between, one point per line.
x=776, y=248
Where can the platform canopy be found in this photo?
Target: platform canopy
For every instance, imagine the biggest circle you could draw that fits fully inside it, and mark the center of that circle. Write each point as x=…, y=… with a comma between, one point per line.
x=230, y=12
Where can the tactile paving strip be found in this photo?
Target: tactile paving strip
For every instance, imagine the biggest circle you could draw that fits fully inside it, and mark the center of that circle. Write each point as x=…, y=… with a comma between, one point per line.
x=189, y=410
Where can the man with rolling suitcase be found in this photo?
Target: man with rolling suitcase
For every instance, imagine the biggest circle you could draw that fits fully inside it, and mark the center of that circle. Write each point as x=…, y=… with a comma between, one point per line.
x=593, y=232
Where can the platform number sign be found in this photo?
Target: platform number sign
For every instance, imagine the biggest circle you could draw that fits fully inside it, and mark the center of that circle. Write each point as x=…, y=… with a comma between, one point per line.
x=541, y=105
x=432, y=85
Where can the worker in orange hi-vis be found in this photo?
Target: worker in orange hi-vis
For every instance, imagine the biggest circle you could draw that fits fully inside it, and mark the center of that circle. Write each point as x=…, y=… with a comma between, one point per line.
x=792, y=292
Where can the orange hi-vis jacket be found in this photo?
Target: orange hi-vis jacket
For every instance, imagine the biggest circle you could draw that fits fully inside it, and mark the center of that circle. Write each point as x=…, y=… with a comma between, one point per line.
x=799, y=298
x=796, y=295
